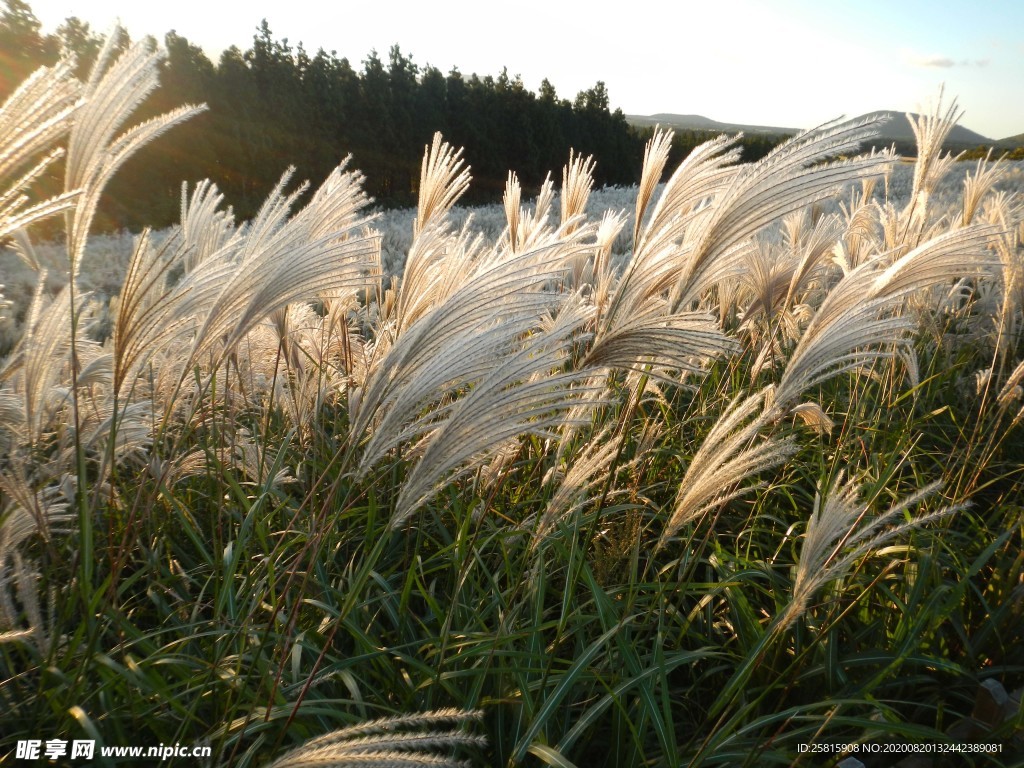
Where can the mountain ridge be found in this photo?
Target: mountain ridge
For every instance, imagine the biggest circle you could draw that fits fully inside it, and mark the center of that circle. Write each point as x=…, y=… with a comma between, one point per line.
x=896, y=129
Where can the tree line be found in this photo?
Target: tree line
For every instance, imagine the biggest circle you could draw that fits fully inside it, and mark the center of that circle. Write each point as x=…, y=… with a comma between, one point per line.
x=274, y=105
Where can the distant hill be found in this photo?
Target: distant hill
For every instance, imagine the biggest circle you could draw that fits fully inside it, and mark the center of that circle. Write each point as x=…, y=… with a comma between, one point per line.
x=1011, y=142
x=896, y=131
x=701, y=123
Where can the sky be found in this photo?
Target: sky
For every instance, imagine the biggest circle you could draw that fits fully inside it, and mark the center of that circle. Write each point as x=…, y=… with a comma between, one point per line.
x=786, y=63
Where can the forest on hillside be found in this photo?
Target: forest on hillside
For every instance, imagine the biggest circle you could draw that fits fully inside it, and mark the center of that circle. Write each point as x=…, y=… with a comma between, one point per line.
x=276, y=104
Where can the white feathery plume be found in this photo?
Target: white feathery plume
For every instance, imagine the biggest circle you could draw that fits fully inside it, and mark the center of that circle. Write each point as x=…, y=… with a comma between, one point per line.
x=522, y=394
x=143, y=322
x=810, y=248
x=684, y=341
x=457, y=341
x=37, y=361
x=22, y=245
x=407, y=741
x=701, y=177
x=943, y=259
x=763, y=286
x=636, y=326
x=856, y=322
x=33, y=119
x=840, y=532
x=272, y=216
x=577, y=181
x=977, y=185
x=1001, y=211
x=930, y=131
x=205, y=228
x=439, y=261
x=656, y=153
x=534, y=229
x=37, y=115
x=589, y=471
x=240, y=277
x=1010, y=391
x=790, y=177
x=860, y=237
x=29, y=511
x=730, y=453
x=655, y=266
x=320, y=249
x=94, y=153
x=24, y=579
x=444, y=178
x=511, y=201
x=814, y=416
x=602, y=274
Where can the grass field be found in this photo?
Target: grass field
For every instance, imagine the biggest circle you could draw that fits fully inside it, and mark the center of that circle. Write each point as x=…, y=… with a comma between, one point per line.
x=722, y=470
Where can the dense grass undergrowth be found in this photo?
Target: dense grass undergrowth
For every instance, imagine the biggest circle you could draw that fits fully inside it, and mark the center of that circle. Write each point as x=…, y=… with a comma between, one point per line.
x=757, y=486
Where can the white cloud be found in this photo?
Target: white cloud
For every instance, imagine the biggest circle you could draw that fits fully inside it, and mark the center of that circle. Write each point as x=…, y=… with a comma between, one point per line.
x=944, y=62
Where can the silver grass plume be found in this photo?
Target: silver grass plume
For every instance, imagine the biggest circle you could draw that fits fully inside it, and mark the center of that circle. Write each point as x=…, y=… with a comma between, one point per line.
x=429, y=275
x=533, y=229
x=841, y=531
x=731, y=452
x=858, y=320
x=700, y=178
x=144, y=322
x=977, y=185
x=860, y=236
x=457, y=341
x=444, y=178
x=655, y=265
x=761, y=290
x=590, y=470
x=36, y=368
x=511, y=200
x=637, y=326
x=33, y=120
x=17, y=572
x=1011, y=390
x=206, y=228
x=930, y=131
x=28, y=512
x=577, y=181
x=1008, y=215
x=684, y=341
x=791, y=176
x=810, y=248
x=438, y=262
x=656, y=153
x=95, y=151
x=408, y=741
x=525, y=393
x=323, y=248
